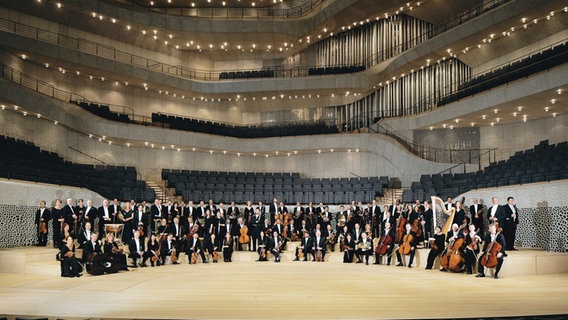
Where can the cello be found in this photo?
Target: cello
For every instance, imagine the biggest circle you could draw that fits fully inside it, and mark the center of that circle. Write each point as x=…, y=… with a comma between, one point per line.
x=490, y=259
x=456, y=259
x=384, y=243
x=244, y=237
x=400, y=227
x=406, y=245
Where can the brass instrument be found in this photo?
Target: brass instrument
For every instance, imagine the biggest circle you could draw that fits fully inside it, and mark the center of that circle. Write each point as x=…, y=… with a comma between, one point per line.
x=364, y=245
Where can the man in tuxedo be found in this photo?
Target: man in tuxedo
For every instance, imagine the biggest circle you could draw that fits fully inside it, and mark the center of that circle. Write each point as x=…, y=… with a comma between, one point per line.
x=276, y=246
x=357, y=234
x=496, y=213
x=191, y=211
x=305, y=246
x=194, y=246
x=167, y=210
x=201, y=211
x=222, y=211
x=140, y=217
x=42, y=216
x=168, y=247
x=211, y=206
x=85, y=235
x=449, y=204
x=138, y=251
x=476, y=211
x=69, y=214
x=104, y=216
x=511, y=221
x=393, y=209
x=493, y=236
x=115, y=209
x=176, y=229
x=92, y=246
x=257, y=224
x=155, y=213
x=233, y=212
x=375, y=216
x=90, y=213
x=318, y=244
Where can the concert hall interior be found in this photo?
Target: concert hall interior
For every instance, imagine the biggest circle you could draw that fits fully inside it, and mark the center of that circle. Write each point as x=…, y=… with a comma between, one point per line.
x=306, y=159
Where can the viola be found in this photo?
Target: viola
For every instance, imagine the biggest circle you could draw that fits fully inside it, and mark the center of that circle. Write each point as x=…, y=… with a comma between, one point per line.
x=406, y=245
x=43, y=227
x=244, y=237
x=384, y=242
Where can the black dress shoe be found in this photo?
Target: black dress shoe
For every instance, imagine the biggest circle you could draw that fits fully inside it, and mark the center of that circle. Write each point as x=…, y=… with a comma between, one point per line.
x=399, y=264
x=496, y=276
x=480, y=275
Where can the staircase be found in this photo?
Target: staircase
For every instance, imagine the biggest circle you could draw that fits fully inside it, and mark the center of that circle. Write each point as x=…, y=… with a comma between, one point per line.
x=153, y=178
x=389, y=194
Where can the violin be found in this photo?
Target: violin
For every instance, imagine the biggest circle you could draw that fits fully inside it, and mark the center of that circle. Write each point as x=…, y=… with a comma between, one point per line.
x=319, y=256
x=384, y=242
x=215, y=256
x=300, y=253
x=406, y=245
x=244, y=237
x=263, y=253
x=174, y=257
x=194, y=258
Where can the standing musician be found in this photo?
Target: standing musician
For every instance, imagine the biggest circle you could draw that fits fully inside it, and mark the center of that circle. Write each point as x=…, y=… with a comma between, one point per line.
x=375, y=216
x=348, y=248
x=472, y=243
x=248, y=212
x=427, y=219
x=176, y=229
x=496, y=212
x=193, y=246
x=233, y=213
x=140, y=218
x=460, y=213
x=114, y=254
x=69, y=215
x=104, y=216
x=243, y=230
x=412, y=243
x=364, y=248
x=228, y=248
x=80, y=212
x=304, y=247
x=511, y=223
x=436, y=247
x=137, y=250
x=318, y=244
x=90, y=213
x=257, y=223
x=57, y=221
x=276, y=245
x=155, y=214
x=476, y=211
x=387, y=217
x=490, y=239
x=390, y=233
x=168, y=248
x=231, y=230
x=42, y=218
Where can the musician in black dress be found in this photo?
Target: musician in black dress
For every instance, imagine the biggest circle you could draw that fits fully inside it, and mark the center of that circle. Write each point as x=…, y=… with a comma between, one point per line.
x=488, y=244
x=153, y=250
x=472, y=244
x=210, y=247
x=348, y=248
x=437, y=247
x=263, y=246
x=70, y=265
x=57, y=221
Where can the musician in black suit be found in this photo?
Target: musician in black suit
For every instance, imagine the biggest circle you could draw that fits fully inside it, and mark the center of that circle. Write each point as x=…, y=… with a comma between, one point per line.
x=115, y=209
x=511, y=222
x=492, y=237
x=233, y=212
x=476, y=211
x=471, y=248
x=449, y=204
x=348, y=248
x=375, y=216
x=137, y=250
x=263, y=247
x=364, y=249
x=496, y=213
x=305, y=247
x=140, y=218
x=190, y=210
x=90, y=213
x=85, y=235
x=388, y=241
x=357, y=233
x=437, y=247
x=92, y=246
x=42, y=217
x=168, y=247
x=257, y=223
x=412, y=244
x=176, y=229
x=318, y=244
x=155, y=213
x=193, y=245
x=105, y=216
x=69, y=215
x=276, y=245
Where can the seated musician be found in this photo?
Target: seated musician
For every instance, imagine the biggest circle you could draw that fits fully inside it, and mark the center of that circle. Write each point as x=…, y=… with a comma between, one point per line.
x=437, y=247
x=291, y=232
x=318, y=245
x=84, y=235
x=279, y=227
x=263, y=244
x=92, y=246
x=304, y=247
x=364, y=248
x=490, y=239
x=177, y=230
x=330, y=236
x=114, y=254
x=389, y=247
x=451, y=237
x=65, y=233
x=348, y=248
x=70, y=265
x=472, y=243
x=153, y=250
x=411, y=242
x=304, y=227
x=137, y=250
x=228, y=248
x=193, y=246
x=168, y=248
x=210, y=247
x=276, y=244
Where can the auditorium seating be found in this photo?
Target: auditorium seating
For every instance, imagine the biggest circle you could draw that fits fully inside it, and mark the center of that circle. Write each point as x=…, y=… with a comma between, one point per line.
x=102, y=111
x=25, y=161
x=334, y=70
x=544, y=162
x=290, y=187
x=251, y=131
x=534, y=63
x=246, y=74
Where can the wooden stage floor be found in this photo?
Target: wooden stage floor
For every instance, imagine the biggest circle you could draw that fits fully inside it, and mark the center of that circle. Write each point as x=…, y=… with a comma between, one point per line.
x=286, y=290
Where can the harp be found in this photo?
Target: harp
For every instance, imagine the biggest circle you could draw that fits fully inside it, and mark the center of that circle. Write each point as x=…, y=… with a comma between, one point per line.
x=448, y=225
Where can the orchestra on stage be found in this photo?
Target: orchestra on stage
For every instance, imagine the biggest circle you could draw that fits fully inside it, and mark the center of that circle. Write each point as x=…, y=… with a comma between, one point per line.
x=116, y=236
